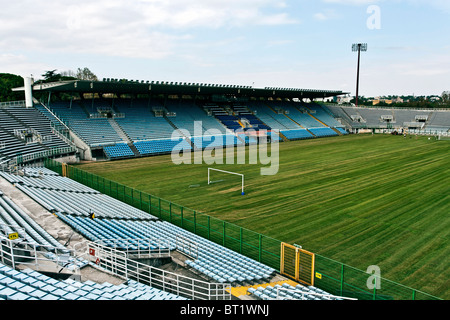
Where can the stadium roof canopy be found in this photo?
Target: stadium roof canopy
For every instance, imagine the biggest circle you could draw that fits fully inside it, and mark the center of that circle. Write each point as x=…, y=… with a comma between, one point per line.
x=178, y=88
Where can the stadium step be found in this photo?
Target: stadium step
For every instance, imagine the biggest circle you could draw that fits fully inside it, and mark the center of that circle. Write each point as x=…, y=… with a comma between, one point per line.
x=242, y=290
x=181, y=133
x=119, y=131
x=337, y=131
x=282, y=136
x=315, y=118
x=134, y=149
x=83, y=107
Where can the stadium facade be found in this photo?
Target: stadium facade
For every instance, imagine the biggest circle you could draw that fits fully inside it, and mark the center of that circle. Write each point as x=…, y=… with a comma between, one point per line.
x=119, y=118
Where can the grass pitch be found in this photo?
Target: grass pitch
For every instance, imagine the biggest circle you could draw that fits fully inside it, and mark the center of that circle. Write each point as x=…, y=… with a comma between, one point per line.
x=361, y=200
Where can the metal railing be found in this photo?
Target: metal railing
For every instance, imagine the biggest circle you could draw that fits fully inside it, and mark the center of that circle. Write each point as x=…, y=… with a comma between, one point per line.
x=15, y=252
x=117, y=263
x=104, y=116
x=43, y=154
x=139, y=248
x=20, y=103
x=187, y=246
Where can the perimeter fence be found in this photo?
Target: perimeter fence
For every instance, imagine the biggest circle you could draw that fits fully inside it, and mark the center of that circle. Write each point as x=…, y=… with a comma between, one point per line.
x=330, y=275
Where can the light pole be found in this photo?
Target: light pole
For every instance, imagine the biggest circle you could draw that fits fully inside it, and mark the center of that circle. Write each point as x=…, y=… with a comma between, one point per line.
x=358, y=47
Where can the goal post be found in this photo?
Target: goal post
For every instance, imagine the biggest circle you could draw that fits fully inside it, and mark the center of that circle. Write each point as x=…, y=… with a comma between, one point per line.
x=444, y=136
x=229, y=172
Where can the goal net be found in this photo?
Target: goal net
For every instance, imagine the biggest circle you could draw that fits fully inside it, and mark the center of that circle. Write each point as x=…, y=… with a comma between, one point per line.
x=211, y=170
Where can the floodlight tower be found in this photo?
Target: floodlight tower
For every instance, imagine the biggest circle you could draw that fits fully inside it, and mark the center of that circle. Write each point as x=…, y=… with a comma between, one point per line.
x=358, y=47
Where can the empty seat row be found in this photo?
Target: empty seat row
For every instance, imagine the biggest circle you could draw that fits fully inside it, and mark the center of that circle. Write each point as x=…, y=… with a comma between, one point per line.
x=74, y=209
x=323, y=132
x=297, y=134
x=13, y=219
x=289, y=292
x=32, y=118
x=162, y=146
x=211, y=142
x=61, y=194
x=119, y=150
x=188, y=115
x=47, y=181
x=113, y=233
x=85, y=204
x=32, y=285
x=213, y=260
x=221, y=260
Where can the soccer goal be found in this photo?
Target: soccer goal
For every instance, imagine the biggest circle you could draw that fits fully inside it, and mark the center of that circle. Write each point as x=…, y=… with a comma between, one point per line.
x=443, y=137
x=229, y=172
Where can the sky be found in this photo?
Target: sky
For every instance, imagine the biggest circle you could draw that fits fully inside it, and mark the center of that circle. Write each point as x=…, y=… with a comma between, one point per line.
x=305, y=44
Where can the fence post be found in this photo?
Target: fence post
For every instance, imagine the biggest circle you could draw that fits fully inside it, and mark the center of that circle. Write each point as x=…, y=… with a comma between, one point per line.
x=223, y=231
x=182, y=224
x=375, y=288
x=342, y=279
x=240, y=240
x=160, y=207
x=195, y=222
x=150, y=203
x=209, y=228
x=260, y=247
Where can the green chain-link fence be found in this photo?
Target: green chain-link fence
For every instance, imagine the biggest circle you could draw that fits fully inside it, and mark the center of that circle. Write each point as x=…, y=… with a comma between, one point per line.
x=330, y=275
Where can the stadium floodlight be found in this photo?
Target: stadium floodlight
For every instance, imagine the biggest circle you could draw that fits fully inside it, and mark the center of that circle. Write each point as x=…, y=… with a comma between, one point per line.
x=358, y=47
x=229, y=172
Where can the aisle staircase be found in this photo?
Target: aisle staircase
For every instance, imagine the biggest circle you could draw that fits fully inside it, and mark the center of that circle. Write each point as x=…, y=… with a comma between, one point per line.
x=119, y=131
x=317, y=119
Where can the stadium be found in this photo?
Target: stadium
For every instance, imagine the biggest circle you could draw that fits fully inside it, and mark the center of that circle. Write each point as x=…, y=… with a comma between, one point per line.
x=95, y=207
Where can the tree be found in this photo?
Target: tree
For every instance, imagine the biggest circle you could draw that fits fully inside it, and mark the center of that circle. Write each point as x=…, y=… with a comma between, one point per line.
x=445, y=98
x=80, y=74
x=51, y=76
x=86, y=74
x=7, y=82
x=68, y=75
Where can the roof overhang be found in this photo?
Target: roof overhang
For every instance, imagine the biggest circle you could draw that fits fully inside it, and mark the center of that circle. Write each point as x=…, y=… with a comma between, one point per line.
x=175, y=88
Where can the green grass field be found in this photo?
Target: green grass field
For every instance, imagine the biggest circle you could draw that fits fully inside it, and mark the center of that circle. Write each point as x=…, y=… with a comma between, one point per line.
x=361, y=200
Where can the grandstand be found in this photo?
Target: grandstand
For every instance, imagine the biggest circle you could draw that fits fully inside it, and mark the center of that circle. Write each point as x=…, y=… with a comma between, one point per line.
x=429, y=122
x=119, y=119
x=135, y=119
x=27, y=135
x=116, y=227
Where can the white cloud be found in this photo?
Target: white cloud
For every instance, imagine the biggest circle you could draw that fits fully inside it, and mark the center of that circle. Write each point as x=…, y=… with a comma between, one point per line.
x=352, y=2
x=213, y=13
x=320, y=16
x=443, y=5
x=137, y=29
x=20, y=65
x=326, y=14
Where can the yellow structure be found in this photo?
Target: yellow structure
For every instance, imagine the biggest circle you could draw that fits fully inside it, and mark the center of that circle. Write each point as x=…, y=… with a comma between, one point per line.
x=240, y=291
x=297, y=264
x=64, y=169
